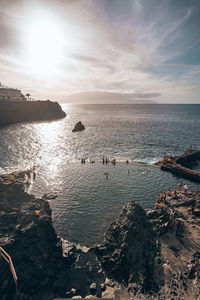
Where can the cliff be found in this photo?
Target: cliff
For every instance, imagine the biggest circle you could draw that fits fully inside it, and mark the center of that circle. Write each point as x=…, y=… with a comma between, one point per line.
x=28, y=236
x=47, y=267
x=27, y=111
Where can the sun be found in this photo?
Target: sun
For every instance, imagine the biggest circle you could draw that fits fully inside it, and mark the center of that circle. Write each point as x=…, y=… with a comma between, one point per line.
x=45, y=48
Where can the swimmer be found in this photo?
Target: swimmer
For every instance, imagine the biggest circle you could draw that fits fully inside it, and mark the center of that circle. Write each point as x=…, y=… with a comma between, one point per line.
x=128, y=171
x=106, y=173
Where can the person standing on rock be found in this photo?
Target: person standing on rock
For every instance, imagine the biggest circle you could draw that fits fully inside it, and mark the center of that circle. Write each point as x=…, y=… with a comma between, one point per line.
x=180, y=187
x=164, y=197
x=158, y=198
x=185, y=188
x=158, y=268
x=171, y=217
x=167, y=271
x=191, y=269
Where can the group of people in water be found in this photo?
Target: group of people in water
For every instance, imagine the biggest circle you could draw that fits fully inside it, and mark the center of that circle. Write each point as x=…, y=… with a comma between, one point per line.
x=113, y=162
x=104, y=161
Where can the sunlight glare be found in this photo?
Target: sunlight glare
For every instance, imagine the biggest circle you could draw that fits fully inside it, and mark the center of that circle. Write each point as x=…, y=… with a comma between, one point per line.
x=46, y=47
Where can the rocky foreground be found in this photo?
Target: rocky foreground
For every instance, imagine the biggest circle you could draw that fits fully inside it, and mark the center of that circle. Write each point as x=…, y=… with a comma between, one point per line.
x=130, y=261
x=145, y=250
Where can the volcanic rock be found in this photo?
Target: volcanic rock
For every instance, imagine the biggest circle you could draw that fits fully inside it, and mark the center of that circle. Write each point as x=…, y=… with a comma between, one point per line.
x=129, y=249
x=78, y=127
x=28, y=236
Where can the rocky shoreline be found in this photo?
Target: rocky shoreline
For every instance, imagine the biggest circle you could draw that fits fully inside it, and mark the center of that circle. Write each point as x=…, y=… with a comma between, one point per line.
x=29, y=111
x=138, y=239
x=131, y=259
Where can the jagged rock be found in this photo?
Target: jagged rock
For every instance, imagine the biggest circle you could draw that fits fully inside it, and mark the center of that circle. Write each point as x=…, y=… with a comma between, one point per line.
x=78, y=127
x=129, y=248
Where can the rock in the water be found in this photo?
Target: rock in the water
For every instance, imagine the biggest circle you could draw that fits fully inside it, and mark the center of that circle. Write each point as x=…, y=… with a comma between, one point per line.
x=78, y=127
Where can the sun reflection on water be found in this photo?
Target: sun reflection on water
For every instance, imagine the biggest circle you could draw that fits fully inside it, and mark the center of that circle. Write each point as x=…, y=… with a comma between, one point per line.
x=51, y=153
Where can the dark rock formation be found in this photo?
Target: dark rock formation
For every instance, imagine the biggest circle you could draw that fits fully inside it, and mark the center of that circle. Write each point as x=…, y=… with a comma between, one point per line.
x=28, y=111
x=78, y=127
x=46, y=267
x=129, y=249
x=28, y=236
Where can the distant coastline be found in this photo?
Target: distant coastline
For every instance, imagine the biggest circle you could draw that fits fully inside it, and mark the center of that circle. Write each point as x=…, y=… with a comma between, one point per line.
x=97, y=97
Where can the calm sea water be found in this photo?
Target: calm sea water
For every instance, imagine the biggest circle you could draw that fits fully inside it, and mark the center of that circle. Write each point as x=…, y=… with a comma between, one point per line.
x=87, y=202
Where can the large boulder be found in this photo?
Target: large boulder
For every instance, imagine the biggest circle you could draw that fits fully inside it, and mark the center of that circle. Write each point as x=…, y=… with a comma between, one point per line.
x=129, y=249
x=78, y=127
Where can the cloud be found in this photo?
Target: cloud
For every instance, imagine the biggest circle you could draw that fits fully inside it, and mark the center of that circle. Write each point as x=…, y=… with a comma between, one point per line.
x=110, y=45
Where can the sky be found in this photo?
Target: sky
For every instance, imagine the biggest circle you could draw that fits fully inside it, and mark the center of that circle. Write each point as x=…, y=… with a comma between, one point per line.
x=146, y=49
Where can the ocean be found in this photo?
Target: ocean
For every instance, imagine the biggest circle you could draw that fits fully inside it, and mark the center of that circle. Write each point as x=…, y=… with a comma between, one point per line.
x=87, y=202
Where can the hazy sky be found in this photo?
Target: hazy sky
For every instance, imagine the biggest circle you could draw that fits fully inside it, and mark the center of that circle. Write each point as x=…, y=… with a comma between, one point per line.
x=53, y=48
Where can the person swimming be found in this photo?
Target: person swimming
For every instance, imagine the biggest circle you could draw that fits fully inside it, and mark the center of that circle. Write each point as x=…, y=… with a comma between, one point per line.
x=106, y=173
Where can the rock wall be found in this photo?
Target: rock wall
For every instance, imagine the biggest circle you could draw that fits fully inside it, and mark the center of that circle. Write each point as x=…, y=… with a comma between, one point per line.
x=16, y=111
x=28, y=236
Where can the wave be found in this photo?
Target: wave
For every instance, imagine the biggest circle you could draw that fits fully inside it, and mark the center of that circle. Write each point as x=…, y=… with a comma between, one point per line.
x=148, y=161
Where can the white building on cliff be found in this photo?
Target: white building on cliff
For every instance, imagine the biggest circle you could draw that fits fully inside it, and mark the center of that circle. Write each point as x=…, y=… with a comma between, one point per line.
x=10, y=94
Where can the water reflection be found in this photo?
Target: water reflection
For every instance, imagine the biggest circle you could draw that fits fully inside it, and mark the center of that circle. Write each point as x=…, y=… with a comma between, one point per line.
x=86, y=201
